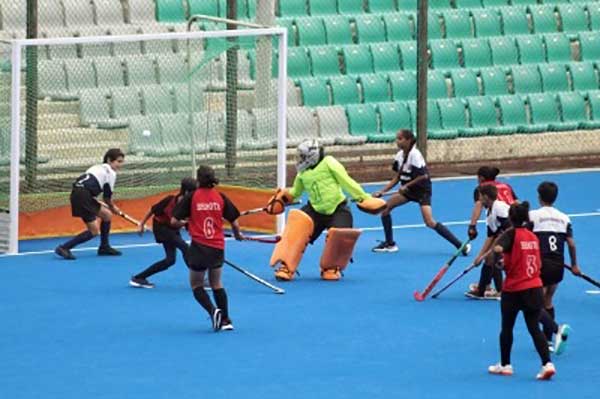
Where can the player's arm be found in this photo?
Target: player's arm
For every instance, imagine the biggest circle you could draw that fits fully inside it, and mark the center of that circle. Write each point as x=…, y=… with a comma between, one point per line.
x=391, y=184
x=297, y=188
x=107, y=198
x=572, y=251
x=487, y=244
x=231, y=214
x=475, y=215
x=503, y=244
x=182, y=211
x=347, y=183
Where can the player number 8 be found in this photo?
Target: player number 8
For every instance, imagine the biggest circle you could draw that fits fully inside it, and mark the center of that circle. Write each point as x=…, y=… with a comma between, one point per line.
x=552, y=242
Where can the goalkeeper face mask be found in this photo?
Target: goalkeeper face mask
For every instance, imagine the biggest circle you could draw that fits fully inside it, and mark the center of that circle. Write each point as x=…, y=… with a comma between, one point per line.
x=308, y=155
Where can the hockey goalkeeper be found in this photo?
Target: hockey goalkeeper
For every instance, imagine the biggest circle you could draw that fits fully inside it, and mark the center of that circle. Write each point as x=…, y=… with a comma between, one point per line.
x=325, y=180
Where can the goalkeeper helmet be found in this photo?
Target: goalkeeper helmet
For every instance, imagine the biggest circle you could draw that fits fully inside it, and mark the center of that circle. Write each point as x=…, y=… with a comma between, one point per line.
x=309, y=154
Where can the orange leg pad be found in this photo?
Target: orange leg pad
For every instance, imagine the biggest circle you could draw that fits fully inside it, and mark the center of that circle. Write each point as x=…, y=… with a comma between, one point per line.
x=338, y=250
x=290, y=248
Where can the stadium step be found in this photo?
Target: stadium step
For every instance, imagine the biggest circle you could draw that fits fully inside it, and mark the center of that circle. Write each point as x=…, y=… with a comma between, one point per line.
x=78, y=135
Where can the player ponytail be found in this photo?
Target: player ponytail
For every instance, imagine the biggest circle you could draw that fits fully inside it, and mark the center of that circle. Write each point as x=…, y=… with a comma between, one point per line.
x=488, y=173
x=112, y=155
x=206, y=177
x=519, y=214
x=188, y=185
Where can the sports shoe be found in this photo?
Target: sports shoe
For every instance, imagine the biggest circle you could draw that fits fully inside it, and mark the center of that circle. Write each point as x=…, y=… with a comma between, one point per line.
x=475, y=287
x=491, y=293
x=226, y=324
x=217, y=321
x=140, y=283
x=385, y=246
x=466, y=250
x=546, y=372
x=560, y=338
x=108, y=251
x=64, y=253
x=499, y=369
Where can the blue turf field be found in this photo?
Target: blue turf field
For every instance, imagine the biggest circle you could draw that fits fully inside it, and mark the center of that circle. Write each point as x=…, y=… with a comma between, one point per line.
x=76, y=330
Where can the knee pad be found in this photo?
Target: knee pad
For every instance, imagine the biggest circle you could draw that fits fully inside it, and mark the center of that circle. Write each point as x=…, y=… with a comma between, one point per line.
x=339, y=246
x=289, y=250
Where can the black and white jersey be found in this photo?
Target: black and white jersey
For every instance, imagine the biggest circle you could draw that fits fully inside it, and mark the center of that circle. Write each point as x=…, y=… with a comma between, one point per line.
x=98, y=179
x=413, y=167
x=497, y=218
x=552, y=227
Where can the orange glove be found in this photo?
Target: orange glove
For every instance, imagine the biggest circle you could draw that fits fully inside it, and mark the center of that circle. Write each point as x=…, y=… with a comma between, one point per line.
x=277, y=203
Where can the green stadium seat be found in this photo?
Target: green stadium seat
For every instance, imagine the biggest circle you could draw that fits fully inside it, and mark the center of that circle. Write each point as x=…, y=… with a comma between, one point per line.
x=493, y=81
x=440, y=4
x=544, y=19
x=434, y=124
x=558, y=47
x=393, y=116
x=338, y=30
x=350, y=7
x=523, y=2
x=182, y=99
x=80, y=75
x=362, y=119
x=572, y=111
x=311, y=31
x=333, y=126
x=554, y=77
x=242, y=9
x=404, y=85
x=526, y=79
x=573, y=17
x=322, y=7
x=483, y=117
x=301, y=125
x=407, y=5
x=504, y=51
x=476, y=53
x=436, y=84
x=385, y=57
x=458, y=24
x=589, y=48
x=251, y=9
x=170, y=11
x=434, y=30
x=513, y=115
x=204, y=7
x=325, y=61
x=468, y=4
x=109, y=72
x=289, y=24
x=452, y=114
x=177, y=129
x=382, y=6
x=398, y=27
x=298, y=64
x=593, y=98
x=531, y=49
x=145, y=137
x=344, y=90
x=486, y=22
x=464, y=82
x=583, y=76
x=593, y=10
x=357, y=59
x=53, y=81
x=369, y=28
x=495, y=3
x=246, y=137
x=293, y=8
x=444, y=54
x=126, y=102
x=514, y=21
x=157, y=99
x=544, y=112
x=408, y=54
x=94, y=109
x=560, y=1
x=140, y=71
x=375, y=88
x=264, y=134
x=125, y=48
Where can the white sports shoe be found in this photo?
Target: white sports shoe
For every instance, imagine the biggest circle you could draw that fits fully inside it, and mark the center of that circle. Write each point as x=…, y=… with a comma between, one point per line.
x=560, y=338
x=546, y=372
x=385, y=246
x=500, y=369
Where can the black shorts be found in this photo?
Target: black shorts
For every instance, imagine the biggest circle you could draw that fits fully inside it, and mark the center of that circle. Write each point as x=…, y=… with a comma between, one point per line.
x=201, y=257
x=529, y=300
x=164, y=233
x=84, y=205
x=341, y=217
x=421, y=197
x=552, y=273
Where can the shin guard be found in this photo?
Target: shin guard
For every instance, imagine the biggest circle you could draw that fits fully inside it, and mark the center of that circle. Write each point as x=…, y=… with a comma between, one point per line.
x=289, y=250
x=337, y=253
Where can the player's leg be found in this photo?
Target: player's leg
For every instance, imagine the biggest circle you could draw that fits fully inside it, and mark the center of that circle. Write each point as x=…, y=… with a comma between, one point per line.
x=220, y=296
x=300, y=229
x=389, y=245
x=489, y=272
x=140, y=279
x=105, y=216
x=83, y=206
x=427, y=213
x=509, y=309
x=547, y=314
x=339, y=244
x=532, y=306
x=199, y=259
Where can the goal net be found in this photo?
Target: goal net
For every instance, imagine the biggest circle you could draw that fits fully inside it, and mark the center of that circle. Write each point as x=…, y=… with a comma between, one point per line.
x=170, y=101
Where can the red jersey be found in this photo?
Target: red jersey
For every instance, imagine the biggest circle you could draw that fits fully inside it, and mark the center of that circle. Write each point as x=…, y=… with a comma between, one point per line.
x=522, y=263
x=163, y=216
x=505, y=191
x=206, y=218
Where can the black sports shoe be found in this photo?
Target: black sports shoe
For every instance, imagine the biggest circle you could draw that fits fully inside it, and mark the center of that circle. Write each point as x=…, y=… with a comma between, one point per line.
x=140, y=283
x=108, y=251
x=217, y=319
x=64, y=253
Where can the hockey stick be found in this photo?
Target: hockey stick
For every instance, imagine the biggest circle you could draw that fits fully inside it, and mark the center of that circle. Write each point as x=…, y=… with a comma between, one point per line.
x=420, y=296
x=455, y=279
x=585, y=277
x=264, y=209
x=255, y=278
x=265, y=240
x=124, y=216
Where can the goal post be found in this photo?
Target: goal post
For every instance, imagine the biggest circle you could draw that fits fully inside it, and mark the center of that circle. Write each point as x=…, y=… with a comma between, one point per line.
x=164, y=129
